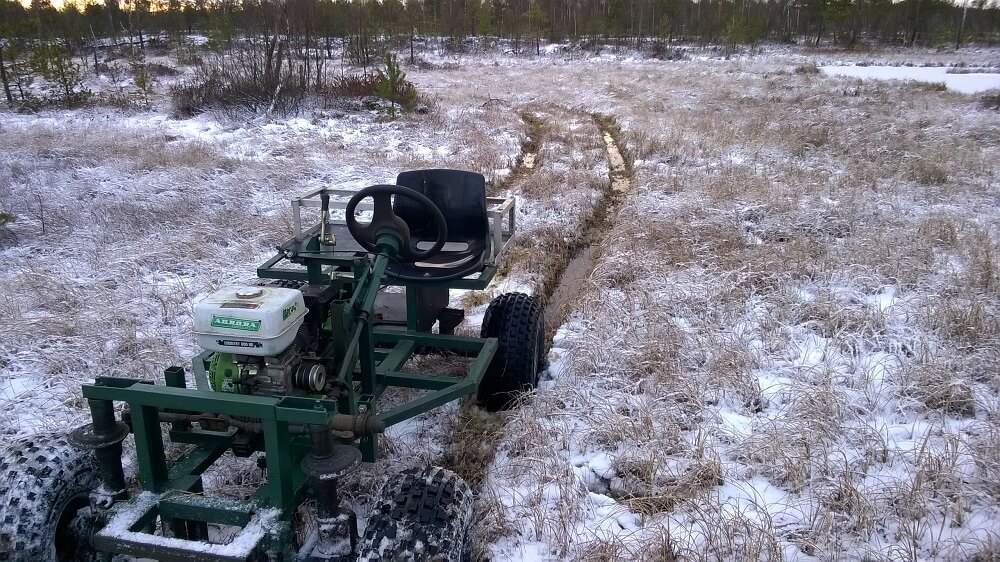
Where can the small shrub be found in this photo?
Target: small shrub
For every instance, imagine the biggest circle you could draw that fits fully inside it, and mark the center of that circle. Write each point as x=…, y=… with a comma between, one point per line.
x=157, y=69
x=962, y=70
x=197, y=95
x=744, y=31
x=6, y=234
x=808, y=68
x=389, y=84
x=52, y=62
x=189, y=56
x=114, y=71
x=932, y=86
x=124, y=99
x=20, y=75
x=991, y=100
x=663, y=51
x=923, y=171
x=30, y=102
x=352, y=86
x=253, y=78
x=144, y=82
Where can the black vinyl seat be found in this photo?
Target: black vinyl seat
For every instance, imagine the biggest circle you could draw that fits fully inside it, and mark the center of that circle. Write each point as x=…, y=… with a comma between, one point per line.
x=461, y=196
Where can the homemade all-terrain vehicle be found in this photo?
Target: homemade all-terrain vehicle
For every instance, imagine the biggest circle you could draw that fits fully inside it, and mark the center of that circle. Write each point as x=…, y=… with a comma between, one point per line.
x=294, y=367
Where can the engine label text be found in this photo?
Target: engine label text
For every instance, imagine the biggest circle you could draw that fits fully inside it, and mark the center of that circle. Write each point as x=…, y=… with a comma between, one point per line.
x=235, y=323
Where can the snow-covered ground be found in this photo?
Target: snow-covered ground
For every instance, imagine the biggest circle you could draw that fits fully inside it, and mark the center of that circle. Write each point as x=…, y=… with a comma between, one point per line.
x=787, y=347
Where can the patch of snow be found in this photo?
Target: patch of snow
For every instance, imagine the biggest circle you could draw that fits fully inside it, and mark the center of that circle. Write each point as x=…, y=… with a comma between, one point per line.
x=963, y=83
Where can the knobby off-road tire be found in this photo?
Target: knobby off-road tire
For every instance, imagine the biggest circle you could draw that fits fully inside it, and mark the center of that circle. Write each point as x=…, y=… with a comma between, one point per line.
x=517, y=321
x=45, y=484
x=421, y=515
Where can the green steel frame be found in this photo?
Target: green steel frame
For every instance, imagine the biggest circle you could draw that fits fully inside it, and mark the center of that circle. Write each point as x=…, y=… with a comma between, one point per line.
x=371, y=359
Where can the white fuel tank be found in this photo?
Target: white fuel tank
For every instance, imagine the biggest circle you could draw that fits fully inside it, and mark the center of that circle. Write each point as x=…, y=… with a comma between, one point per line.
x=260, y=321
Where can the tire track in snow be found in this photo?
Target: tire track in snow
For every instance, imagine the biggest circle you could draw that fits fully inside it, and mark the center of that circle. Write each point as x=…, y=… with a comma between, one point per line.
x=562, y=297
x=473, y=448
x=473, y=445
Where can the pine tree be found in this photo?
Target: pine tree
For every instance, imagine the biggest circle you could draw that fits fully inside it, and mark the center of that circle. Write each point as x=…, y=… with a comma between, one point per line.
x=392, y=85
x=536, y=20
x=52, y=62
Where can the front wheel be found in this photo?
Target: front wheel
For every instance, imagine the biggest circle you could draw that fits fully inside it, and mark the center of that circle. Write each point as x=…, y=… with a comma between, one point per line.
x=421, y=514
x=45, y=513
x=517, y=321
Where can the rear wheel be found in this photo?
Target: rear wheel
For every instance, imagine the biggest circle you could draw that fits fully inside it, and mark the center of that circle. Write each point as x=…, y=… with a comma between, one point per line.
x=517, y=321
x=45, y=513
x=421, y=514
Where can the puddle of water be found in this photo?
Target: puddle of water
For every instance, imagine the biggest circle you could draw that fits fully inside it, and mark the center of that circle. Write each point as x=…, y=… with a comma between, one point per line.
x=569, y=287
x=571, y=281
x=528, y=161
x=964, y=83
x=614, y=155
x=619, y=180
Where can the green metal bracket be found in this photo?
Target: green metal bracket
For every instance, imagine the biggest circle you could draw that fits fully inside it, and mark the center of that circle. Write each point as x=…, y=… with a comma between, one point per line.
x=126, y=533
x=445, y=394
x=208, y=509
x=275, y=415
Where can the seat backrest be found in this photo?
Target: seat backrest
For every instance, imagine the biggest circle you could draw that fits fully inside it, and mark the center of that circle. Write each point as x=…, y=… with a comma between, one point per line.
x=460, y=195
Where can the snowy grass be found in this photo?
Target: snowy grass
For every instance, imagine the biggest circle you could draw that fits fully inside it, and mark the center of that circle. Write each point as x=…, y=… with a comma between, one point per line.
x=123, y=223
x=787, y=345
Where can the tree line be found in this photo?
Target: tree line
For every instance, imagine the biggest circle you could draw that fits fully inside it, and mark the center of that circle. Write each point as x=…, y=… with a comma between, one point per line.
x=622, y=22
x=297, y=36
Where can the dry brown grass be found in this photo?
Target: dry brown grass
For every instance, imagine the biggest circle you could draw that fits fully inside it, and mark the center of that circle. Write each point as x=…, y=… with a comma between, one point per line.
x=985, y=448
x=968, y=322
x=771, y=295
x=798, y=299
x=938, y=388
x=542, y=254
x=474, y=446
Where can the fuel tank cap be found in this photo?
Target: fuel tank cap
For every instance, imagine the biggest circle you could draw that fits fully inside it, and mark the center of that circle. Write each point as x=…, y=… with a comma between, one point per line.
x=249, y=293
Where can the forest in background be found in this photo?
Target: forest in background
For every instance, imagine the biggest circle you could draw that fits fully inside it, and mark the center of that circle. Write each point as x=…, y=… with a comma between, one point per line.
x=271, y=53
x=526, y=23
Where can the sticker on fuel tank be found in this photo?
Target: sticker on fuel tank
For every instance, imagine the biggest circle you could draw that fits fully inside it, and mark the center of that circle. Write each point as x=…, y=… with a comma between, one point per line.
x=235, y=323
x=238, y=343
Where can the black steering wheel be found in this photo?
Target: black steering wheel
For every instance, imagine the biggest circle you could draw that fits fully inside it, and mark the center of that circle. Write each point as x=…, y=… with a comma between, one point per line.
x=385, y=221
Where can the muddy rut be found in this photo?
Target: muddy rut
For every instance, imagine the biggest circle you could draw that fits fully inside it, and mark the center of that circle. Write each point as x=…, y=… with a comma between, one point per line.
x=477, y=432
x=527, y=160
x=560, y=299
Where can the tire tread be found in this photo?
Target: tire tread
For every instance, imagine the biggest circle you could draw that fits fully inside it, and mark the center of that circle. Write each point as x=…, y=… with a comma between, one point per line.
x=36, y=475
x=422, y=514
x=517, y=321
